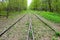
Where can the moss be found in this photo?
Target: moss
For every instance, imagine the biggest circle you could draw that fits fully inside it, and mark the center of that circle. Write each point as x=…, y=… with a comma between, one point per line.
x=30, y=34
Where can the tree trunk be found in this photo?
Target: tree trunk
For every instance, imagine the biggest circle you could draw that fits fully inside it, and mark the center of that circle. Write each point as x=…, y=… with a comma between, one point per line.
x=56, y=6
x=49, y=3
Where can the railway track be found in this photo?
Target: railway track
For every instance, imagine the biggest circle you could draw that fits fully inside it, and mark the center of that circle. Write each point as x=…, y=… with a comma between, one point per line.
x=52, y=26
x=42, y=31
x=30, y=31
x=36, y=29
x=34, y=32
x=45, y=23
x=11, y=26
x=18, y=32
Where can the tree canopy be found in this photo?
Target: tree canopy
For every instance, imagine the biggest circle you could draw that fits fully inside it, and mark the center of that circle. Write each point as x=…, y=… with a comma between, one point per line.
x=13, y=4
x=47, y=5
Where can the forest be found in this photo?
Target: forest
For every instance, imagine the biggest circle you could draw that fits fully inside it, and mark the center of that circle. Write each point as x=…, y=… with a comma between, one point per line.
x=7, y=6
x=13, y=4
x=46, y=5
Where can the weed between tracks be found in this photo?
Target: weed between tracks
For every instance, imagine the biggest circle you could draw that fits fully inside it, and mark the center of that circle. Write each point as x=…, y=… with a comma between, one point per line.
x=30, y=34
x=57, y=33
x=54, y=38
x=27, y=24
x=30, y=31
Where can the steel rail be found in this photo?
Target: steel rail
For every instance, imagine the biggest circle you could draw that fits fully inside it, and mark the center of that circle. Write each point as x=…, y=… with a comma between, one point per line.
x=30, y=29
x=11, y=25
x=39, y=17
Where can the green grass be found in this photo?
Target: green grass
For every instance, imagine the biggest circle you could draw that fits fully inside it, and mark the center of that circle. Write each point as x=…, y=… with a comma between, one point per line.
x=57, y=33
x=3, y=12
x=12, y=14
x=30, y=34
x=54, y=17
x=54, y=38
x=51, y=16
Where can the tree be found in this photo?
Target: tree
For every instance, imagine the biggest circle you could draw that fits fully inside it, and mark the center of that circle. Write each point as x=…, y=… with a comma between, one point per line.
x=46, y=5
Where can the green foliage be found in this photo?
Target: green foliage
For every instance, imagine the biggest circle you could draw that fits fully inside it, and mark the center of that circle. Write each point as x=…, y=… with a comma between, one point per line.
x=3, y=12
x=30, y=34
x=54, y=38
x=18, y=4
x=3, y=5
x=57, y=33
x=51, y=16
x=46, y=5
x=13, y=4
x=34, y=4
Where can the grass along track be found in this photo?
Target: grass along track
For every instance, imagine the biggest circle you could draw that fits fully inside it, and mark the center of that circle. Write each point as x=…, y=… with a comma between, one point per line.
x=52, y=26
x=42, y=31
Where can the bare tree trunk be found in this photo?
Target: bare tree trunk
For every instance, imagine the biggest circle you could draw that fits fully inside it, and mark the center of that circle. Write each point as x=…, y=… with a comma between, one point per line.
x=49, y=3
x=56, y=6
x=8, y=9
